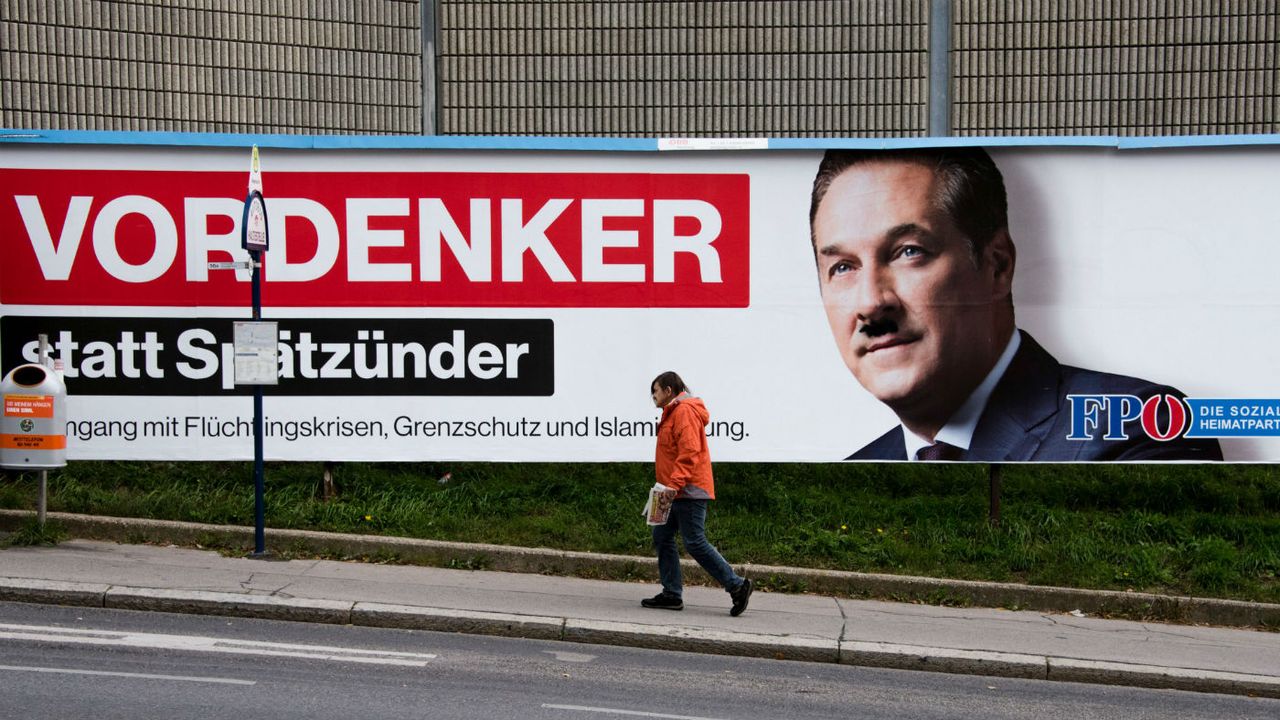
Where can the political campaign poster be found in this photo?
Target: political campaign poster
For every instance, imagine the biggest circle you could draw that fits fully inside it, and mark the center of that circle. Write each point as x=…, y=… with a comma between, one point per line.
x=1000, y=304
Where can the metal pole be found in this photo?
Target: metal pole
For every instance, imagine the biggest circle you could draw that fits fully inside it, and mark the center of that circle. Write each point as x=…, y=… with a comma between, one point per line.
x=939, y=68
x=430, y=98
x=42, y=497
x=259, y=490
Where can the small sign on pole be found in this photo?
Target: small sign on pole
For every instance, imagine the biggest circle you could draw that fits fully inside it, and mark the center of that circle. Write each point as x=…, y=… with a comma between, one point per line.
x=230, y=265
x=256, y=353
x=253, y=235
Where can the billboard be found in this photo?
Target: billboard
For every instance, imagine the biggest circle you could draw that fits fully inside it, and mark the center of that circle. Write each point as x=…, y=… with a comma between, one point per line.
x=513, y=305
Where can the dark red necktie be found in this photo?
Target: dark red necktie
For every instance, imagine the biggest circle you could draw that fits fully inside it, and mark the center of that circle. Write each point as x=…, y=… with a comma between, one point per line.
x=940, y=451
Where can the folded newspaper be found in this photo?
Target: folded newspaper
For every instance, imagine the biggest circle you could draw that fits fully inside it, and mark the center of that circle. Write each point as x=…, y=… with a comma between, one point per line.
x=658, y=508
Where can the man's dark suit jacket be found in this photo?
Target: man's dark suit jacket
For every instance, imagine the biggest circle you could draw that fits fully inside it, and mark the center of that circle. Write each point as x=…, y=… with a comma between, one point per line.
x=1028, y=417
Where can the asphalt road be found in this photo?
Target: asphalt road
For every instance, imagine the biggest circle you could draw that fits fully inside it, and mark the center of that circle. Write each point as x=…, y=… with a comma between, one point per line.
x=72, y=663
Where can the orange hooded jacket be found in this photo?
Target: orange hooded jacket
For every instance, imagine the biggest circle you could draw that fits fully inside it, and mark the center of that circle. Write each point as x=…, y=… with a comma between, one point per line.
x=682, y=459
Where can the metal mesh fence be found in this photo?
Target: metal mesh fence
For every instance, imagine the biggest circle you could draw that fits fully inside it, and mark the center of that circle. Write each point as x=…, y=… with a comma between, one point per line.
x=812, y=68
x=1115, y=67
x=701, y=69
x=218, y=66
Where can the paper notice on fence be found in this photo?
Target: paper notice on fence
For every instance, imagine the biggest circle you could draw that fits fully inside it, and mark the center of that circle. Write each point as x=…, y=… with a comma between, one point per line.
x=658, y=509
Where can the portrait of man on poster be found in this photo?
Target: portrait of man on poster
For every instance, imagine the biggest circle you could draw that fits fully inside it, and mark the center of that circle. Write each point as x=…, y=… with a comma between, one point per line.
x=916, y=268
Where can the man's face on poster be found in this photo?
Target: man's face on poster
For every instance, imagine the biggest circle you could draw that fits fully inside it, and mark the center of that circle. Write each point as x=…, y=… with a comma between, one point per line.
x=913, y=314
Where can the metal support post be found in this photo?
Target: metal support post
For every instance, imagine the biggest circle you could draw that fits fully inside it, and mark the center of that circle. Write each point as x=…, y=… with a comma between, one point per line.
x=42, y=500
x=430, y=95
x=259, y=482
x=939, y=68
x=42, y=497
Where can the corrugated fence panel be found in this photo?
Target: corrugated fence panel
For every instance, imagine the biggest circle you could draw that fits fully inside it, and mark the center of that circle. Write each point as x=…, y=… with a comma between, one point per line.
x=1115, y=67
x=212, y=65
x=709, y=69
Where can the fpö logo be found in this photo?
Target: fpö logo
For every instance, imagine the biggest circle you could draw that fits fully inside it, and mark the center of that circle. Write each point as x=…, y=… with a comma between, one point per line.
x=1167, y=417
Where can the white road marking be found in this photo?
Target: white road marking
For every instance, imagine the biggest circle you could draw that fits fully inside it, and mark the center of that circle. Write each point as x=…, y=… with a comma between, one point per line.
x=197, y=643
x=614, y=711
x=141, y=676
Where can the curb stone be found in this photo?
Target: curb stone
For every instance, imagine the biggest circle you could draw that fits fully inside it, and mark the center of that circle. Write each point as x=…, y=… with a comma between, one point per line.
x=472, y=622
x=968, y=662
x=716, y=642
x=204, y=602
x=52, y=592
x=877, y=655
x=546, y=561
x=1154, y=676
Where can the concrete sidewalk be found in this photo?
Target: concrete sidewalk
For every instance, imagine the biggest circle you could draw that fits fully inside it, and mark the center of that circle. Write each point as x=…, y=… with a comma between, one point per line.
x=1006, y=643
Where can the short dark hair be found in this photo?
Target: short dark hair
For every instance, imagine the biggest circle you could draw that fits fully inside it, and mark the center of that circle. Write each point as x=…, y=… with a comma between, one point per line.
x=970, y=188
x=669, y=379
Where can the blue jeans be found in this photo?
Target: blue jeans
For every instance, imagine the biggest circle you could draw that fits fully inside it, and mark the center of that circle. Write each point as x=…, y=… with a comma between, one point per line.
x=689, y=519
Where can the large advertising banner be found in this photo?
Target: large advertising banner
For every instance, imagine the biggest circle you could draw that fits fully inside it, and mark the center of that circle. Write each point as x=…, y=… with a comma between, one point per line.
x=1003, y=305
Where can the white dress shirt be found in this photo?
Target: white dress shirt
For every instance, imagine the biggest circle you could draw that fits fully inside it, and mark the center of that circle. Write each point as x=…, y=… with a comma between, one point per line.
x=959, y=429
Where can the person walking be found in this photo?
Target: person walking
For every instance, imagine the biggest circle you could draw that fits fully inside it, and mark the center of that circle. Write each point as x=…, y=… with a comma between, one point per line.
x=682, y=462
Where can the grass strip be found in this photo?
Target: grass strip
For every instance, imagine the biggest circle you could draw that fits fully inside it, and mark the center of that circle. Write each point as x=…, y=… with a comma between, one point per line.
x=1199, y=530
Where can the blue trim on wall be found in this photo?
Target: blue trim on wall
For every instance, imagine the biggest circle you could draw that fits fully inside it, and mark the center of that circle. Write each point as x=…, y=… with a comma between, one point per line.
x=590, y=144
x=1198, y=141
x=324, y=142
x=919, y=142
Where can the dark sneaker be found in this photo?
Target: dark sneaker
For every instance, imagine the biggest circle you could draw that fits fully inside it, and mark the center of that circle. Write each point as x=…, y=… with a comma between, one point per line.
x=663, y=601
x=741, y=597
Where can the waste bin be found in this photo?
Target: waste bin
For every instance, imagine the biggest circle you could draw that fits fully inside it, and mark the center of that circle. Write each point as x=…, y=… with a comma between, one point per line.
x=33, y=429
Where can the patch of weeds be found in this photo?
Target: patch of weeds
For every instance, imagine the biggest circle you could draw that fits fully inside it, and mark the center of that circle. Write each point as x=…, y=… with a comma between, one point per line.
x=946, y=598
x=223, y=544
x=231, y=550
x=382, y=556
x=780, y=584
x=634, y=571
x=209, y=540
x=475, y=562
x=323, y=552
x=300, y=548
x=1141, y=612
x=628, y=572
x=940, y=598
x=32, y=533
